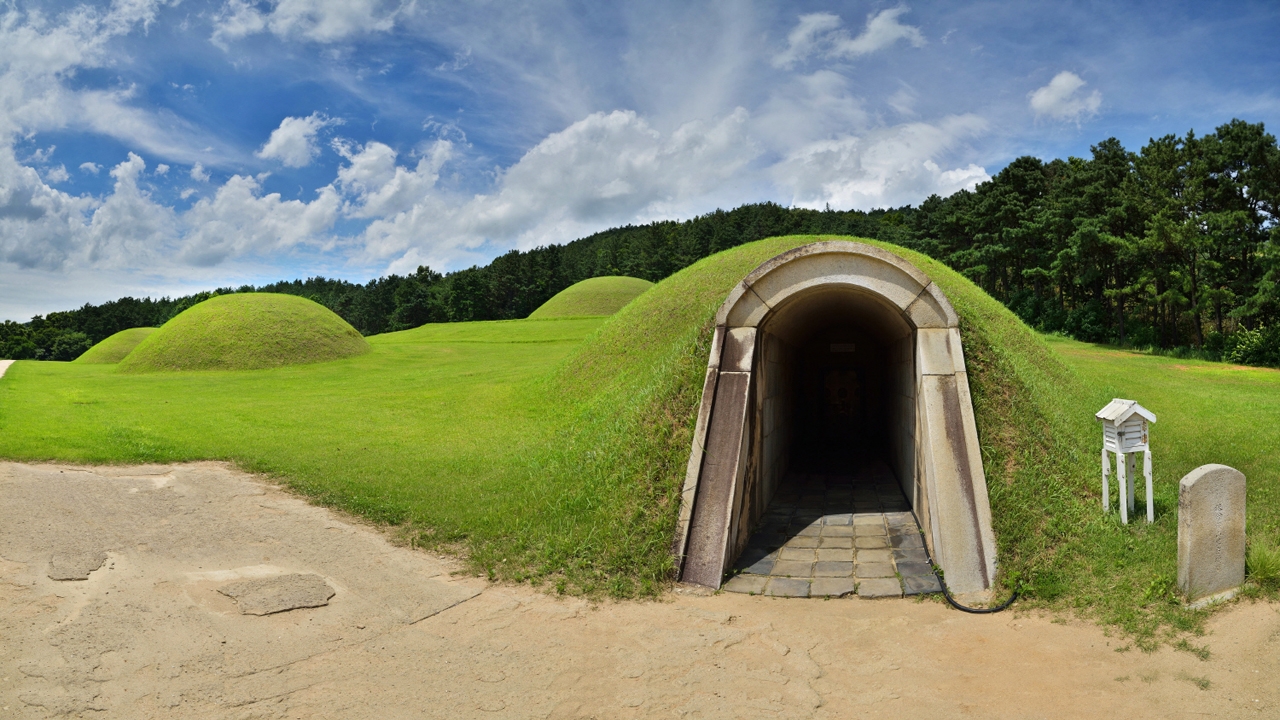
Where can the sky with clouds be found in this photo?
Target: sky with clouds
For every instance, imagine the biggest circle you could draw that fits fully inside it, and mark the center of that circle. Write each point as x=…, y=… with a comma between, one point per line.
x=153, y=147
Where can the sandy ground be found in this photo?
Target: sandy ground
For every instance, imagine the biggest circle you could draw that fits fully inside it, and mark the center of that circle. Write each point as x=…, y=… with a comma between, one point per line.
x=148, y=634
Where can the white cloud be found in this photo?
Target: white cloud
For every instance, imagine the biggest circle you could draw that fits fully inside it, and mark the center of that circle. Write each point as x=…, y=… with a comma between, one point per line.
x=162, y=169
x=882, y=168
x=198, y=173
x=380, y=187
x=57, y=175
x=318, y=20
x=294, y=142
x=608, y=168
x=1062, y=99
x=90, y=167
x=821, y=35
x=239, y=220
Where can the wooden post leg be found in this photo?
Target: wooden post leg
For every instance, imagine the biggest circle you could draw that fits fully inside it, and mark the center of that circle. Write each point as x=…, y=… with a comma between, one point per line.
x=1122, y=487
x=1106, y=483
x=1151, y=503
x=1131, y=472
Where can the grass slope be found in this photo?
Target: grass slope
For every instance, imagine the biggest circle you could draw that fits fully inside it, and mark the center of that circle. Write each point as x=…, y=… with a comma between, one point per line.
x=246, y=331
x=553, y=450
x=113, y=349
x=592, y=297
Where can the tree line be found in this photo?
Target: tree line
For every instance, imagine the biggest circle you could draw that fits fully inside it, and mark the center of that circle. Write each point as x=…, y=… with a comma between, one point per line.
x=1175, y=247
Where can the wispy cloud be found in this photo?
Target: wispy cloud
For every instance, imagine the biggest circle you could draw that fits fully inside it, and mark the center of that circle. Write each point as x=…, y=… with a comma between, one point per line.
x=822, y=35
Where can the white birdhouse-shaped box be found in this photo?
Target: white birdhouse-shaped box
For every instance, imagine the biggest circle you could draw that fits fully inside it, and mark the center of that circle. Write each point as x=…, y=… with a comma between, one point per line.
x=1124, y=432
x=1124, y=426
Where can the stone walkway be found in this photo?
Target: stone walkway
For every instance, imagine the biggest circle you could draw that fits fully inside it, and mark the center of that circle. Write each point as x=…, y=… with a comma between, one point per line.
x=835, y=535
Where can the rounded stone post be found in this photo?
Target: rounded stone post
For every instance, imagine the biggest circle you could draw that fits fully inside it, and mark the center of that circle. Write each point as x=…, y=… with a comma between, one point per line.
x=1211, y=541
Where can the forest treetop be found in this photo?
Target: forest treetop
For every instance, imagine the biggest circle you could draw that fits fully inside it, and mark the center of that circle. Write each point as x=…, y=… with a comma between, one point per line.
x=1176, y=245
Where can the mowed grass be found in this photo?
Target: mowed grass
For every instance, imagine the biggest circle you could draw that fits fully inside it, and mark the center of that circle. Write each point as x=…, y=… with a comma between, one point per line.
x=423, y=428
x=553, y=450
x=596, y=296
x=113, y=349
x=246, y=331
x=1207, y=413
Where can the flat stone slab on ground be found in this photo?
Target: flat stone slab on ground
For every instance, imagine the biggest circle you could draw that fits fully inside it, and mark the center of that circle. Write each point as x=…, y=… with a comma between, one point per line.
x=270, y=595
x=831, y=587
x=75, y=565
x=788, y=587
x=879, y=588
x=747, y=584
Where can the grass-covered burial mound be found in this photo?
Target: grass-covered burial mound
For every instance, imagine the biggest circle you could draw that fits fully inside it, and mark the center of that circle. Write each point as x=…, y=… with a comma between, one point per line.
x=247, y=331
x=115, y=348
x=592, y=297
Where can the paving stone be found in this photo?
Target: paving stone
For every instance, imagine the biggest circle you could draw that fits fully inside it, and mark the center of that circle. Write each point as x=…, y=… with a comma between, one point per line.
x=767, y=540
x=831, y=587
x=845, y=518
x=803, y=541
x=875, y=555
x=829, y=568
x=796, y=553
x=879, y=588
x=837, y=531
x=762, y=566
x=921, y=584
x=900, y=519
x=836, y=554
x=792, y=568
x=871, y=541
x=836, y=542
x=906, y=541
x=873, y=570
x=861, y=519
x=910, y=555
x=914, y=568
x=787, y=587
x=270, y=595
x=812, y=529
x=746, y=584
x=75, y=564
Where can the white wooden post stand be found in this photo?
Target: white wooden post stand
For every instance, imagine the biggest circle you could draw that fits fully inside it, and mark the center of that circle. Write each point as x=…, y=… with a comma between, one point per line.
x=1124, y=432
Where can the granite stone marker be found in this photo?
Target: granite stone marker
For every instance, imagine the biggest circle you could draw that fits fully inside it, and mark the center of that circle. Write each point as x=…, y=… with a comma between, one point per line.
x=1211, y=545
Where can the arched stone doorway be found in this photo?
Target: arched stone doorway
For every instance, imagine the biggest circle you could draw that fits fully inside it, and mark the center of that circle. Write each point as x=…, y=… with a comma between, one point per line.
x=835, y=360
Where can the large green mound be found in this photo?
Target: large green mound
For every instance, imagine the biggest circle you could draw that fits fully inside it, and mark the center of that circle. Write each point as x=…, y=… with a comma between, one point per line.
x=247, y=331
x=592, y=297
x=638, y=381
x=115, y=348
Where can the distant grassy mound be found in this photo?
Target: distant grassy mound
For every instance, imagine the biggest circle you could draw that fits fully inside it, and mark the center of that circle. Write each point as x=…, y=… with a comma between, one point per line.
x=113, y=349
x=246, y=331
x=592, y=297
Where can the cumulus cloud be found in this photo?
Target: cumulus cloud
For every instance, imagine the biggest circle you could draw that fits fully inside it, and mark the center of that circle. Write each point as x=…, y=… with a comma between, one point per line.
x=162, y=169
x=606, y=168
x=294, y=142
x=239, y=220
x=198, y=173
x=318, y=20
x=57, y=174
x=881, y=168
x=1063, y=99
x=821, y=35
x=90, y=167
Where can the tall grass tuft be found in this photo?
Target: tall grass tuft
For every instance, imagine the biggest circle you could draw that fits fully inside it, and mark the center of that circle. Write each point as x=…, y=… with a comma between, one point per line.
x=1263, y=564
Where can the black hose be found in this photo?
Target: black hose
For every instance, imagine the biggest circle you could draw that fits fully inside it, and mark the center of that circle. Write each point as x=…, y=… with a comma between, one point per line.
x=947, y=593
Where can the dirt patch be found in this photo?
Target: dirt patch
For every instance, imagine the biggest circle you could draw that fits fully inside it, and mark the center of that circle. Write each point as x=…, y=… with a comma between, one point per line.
x=148, y=634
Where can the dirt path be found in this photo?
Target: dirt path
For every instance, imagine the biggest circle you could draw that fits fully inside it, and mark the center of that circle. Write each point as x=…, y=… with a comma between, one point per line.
x=149, y=635
x=4, y=366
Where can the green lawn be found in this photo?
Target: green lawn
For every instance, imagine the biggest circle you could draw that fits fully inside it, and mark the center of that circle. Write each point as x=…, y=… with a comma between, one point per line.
x=415, y=429
x=553, y=450
x=591, y=297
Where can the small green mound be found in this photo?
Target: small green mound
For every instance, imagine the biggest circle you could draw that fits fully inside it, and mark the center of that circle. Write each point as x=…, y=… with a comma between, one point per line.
x=592, y=297
x=115, y=348
x=247, y=331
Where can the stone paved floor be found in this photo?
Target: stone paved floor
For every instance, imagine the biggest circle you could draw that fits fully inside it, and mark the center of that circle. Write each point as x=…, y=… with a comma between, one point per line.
x=834, y=535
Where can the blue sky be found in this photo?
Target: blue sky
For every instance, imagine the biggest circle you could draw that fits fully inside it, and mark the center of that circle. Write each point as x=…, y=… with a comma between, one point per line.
x=153, y=148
